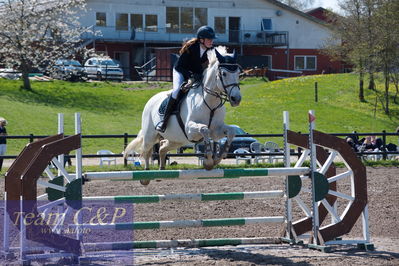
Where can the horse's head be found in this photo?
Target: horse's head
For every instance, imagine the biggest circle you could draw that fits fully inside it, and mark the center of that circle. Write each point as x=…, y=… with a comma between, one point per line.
x=227, y=77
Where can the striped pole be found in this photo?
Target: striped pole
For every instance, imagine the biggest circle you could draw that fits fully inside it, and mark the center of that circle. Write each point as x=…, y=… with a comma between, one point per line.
x=187, y=243
x=313, y=167
x=197, y=174
x=183, y=223
x=192, y=197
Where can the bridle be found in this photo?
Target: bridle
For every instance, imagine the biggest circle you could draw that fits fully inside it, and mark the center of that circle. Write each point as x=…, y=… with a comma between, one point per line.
x=225, y=95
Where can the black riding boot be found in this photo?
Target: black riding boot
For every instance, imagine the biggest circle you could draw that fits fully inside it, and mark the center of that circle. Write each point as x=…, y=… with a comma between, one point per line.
x=161, y=127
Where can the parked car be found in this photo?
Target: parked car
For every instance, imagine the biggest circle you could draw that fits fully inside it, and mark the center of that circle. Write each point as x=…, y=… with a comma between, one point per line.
x=9, y=73
x=238, y=142
x=66, y=69
x=103, y=68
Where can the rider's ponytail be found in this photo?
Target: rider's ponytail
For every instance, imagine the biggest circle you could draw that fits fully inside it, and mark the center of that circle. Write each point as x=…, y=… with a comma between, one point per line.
x=187, y=44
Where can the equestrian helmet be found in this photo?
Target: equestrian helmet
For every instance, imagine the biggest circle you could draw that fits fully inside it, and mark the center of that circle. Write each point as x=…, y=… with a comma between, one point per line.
x=206, y=32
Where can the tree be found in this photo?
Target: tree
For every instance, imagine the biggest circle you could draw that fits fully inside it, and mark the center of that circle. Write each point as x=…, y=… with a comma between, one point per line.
x=35, y=33
x=347, y=42
x=370, y=41
x=387, y=44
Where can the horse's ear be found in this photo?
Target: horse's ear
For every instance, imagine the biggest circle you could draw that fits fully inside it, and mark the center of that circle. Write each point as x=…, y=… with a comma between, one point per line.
x=219, y=57
x=235, y=55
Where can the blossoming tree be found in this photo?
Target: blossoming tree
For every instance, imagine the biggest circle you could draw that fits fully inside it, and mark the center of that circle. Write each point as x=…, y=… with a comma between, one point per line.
x=35, y=33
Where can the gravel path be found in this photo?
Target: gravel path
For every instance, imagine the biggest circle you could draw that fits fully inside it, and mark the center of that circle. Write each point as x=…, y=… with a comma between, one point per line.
x=383, y=187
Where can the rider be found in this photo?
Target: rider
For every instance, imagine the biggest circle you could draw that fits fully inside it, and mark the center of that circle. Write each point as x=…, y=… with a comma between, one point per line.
x=191, y=63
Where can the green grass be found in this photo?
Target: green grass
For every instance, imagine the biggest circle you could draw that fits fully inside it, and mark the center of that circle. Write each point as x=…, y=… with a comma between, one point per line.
x=115, y=108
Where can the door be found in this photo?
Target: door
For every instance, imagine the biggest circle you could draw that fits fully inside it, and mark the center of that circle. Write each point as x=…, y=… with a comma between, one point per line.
x=123, y=58
x=90, y=68
x=234, y=29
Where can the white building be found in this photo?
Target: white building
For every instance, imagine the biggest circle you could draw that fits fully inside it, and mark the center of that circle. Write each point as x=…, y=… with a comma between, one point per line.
x=264, y=32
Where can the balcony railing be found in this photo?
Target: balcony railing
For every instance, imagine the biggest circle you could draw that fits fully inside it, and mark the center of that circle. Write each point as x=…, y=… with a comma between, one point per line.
x=166, y=35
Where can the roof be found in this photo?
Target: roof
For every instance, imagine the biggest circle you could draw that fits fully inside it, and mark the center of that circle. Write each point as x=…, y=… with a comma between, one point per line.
x=298, y=12
x=314, y=9
x=321, y=13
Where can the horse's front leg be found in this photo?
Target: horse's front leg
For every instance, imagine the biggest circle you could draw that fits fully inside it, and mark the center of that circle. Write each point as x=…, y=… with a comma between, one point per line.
x=223, y=131
x=163, y=150
x=146, y=156
x=195, y=129
x=208, y=160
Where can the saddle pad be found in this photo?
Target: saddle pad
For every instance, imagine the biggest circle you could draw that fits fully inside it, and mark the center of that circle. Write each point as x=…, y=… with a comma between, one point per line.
x=180, y=98
x=162, y=107
x=164, y=104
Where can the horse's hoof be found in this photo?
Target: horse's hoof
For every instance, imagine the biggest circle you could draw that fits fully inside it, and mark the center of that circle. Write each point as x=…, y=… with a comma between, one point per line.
x=208, y=167
x=208, y=164
x=145, y=182
x=217, y=160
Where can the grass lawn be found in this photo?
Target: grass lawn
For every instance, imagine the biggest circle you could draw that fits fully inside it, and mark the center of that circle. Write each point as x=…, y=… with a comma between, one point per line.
x=115, y=108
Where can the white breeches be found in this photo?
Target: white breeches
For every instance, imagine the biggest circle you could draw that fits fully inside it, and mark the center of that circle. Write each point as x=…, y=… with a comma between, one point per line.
x=178, y=79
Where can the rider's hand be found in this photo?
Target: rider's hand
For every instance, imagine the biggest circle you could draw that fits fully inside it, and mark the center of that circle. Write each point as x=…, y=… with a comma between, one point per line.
x=197, y=77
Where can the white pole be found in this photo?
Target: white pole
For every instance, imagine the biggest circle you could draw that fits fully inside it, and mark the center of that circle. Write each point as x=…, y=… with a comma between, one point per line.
x=287, y=164
x=78, y=156
x=313, y=165
x=60, y=131
x=365, y=222
x=22, y=230
x=6, y=233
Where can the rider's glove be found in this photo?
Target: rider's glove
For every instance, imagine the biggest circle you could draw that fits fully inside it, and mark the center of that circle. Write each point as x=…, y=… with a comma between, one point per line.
x=197, y=77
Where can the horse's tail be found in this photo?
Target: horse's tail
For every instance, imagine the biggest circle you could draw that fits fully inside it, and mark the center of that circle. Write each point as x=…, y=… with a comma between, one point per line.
x=135, y=145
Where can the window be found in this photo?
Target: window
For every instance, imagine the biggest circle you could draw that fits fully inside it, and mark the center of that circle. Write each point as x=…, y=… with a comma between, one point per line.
x=136, y=22
x=266, y=24
x=185, y=19
x=151, y=23
x=172, y=19
x=268, y=61
x=220, y=25
x=305, y=62
x=101, y=19
x=200, y=17
x=121, y=21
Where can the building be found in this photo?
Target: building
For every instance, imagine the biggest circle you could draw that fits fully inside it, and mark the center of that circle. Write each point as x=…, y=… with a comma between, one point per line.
x=264, y=32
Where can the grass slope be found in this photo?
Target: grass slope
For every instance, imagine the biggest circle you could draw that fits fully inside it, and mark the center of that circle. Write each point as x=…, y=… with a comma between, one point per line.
x=115, y=108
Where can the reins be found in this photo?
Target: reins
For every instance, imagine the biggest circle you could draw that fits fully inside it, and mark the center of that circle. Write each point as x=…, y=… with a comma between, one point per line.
x=223, y=96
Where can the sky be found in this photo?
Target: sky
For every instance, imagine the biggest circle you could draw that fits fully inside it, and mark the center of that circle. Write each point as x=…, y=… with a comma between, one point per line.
x=333, y=4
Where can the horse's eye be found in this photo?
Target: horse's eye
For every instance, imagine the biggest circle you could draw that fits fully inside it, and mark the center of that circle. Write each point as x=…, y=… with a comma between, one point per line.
x=224, y=74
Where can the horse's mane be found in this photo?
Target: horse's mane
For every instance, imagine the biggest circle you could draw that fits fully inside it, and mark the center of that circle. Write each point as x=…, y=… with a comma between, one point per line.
x=212, y=55
x=211, y=78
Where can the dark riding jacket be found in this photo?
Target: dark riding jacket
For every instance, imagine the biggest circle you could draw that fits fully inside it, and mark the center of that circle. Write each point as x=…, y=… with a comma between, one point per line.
x=190, y=62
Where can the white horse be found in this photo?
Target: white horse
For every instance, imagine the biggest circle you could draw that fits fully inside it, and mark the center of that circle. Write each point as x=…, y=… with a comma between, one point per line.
x=202, y=113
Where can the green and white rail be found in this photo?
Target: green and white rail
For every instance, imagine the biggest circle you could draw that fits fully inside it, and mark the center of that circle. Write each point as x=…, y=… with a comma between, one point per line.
x=196, y=174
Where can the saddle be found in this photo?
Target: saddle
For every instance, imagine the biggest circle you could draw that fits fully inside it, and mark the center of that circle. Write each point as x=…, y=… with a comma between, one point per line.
x=184, y=88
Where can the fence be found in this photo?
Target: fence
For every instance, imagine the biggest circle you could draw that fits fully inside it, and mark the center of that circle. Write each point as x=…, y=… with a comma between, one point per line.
x=126, y=138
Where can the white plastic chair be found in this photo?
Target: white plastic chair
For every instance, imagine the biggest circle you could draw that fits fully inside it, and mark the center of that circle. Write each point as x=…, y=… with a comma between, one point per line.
x=197, y=149
x=134, y=158
x=372, y=157
x=108, y=160
x=243, y=155
x=393, y=156
x=271, y=146
x=257, y=147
